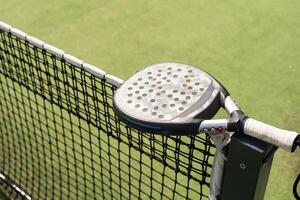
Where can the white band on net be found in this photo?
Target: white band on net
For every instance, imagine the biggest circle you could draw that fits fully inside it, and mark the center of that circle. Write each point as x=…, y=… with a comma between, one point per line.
x=61, y=54
x=281, y=138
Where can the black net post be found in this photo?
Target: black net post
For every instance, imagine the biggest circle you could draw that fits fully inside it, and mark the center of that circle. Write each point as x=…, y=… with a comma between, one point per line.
x=247, y=168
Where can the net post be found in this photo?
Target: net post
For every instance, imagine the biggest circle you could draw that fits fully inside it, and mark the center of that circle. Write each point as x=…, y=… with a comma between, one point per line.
x=247, y=168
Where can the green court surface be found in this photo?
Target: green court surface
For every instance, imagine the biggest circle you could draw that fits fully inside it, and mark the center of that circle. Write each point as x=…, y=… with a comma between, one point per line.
x=252, y=47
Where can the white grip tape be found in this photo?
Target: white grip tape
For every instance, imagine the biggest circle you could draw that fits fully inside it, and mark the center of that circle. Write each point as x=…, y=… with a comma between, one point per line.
x=281, y=138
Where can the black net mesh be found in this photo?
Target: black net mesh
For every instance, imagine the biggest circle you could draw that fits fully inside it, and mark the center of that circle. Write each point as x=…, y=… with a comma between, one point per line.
x=59, y=137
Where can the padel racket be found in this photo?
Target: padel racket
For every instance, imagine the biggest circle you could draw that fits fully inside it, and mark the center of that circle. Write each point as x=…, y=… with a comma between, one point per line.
x=179, y=99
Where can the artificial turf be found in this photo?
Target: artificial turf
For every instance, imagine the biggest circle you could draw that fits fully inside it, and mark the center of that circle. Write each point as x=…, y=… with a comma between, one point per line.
x=252, y=47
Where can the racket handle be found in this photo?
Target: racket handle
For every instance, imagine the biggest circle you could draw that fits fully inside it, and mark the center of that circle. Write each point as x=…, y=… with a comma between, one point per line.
x=279, y=137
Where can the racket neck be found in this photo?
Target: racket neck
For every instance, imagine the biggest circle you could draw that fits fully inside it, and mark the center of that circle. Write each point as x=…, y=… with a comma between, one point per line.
x=236, y=121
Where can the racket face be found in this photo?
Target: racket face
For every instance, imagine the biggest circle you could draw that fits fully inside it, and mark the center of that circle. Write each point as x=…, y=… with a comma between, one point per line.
x=168, y=97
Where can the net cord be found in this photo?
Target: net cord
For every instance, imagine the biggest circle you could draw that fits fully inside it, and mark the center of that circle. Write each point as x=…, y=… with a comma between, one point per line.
x=61, y=54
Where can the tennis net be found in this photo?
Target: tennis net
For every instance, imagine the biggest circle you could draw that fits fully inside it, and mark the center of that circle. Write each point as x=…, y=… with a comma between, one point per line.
x=60, y=139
